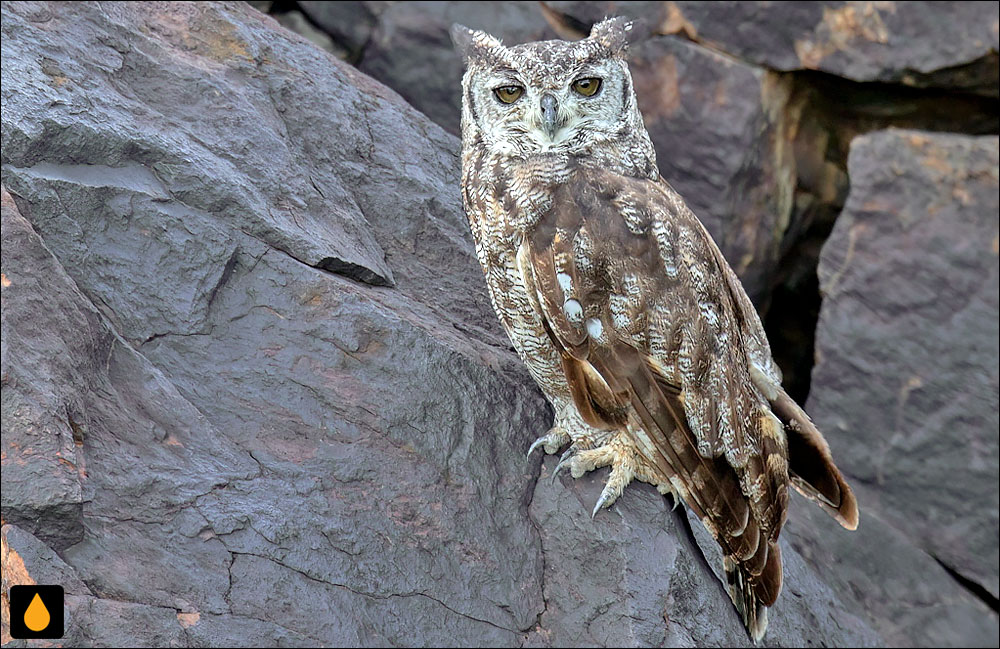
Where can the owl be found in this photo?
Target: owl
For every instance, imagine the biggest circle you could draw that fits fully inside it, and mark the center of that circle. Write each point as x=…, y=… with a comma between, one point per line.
x=623, y=308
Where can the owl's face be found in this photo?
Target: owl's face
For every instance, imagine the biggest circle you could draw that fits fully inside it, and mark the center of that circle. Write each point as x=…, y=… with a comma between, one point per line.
x=550, y=96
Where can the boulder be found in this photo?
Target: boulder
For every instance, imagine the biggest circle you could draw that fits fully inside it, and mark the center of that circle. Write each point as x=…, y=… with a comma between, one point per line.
x=920, y=44
x=906, y=381
x=293, y=415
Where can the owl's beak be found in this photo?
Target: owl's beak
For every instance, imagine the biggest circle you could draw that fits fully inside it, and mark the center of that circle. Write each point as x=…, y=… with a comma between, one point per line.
x=550, y=113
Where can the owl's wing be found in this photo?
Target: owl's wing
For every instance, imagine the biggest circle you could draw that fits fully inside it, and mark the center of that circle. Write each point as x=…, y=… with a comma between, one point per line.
x=636, y=298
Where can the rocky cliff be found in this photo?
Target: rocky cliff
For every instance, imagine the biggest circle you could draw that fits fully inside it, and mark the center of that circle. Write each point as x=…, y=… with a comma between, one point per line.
x=253, y=392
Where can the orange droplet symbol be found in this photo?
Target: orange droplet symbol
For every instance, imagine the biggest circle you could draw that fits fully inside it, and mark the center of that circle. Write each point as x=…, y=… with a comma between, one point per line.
x=37, y=616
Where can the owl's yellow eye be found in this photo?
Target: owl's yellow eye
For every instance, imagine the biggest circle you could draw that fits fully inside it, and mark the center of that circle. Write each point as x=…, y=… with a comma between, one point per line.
x=509, y=94
x=587, y=87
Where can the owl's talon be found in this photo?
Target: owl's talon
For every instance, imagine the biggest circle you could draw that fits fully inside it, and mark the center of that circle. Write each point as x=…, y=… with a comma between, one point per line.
x=606, y=500
x=565, y=460
x=551, y=441
x=622, y=473
x=538, y=442
x=618, y=452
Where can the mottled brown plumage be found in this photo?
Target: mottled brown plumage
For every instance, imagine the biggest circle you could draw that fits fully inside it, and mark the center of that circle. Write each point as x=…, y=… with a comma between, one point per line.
x=624, y=309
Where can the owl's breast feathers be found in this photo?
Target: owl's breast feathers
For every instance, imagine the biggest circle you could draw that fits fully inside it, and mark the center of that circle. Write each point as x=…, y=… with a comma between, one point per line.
x=656, y=335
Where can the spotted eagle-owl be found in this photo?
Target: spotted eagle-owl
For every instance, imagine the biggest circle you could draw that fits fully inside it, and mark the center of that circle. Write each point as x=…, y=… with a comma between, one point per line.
x=623, y=308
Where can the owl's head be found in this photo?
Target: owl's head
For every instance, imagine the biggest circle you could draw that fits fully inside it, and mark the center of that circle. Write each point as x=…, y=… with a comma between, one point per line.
x=548, y=96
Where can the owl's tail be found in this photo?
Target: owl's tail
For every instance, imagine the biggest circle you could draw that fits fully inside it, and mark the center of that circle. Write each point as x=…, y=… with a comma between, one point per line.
x=753, y=593
x=810, y=464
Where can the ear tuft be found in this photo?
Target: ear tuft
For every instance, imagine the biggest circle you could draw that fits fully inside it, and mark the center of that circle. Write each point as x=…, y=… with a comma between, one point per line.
x=613, y=33
x=473, y=43
x=461, y=37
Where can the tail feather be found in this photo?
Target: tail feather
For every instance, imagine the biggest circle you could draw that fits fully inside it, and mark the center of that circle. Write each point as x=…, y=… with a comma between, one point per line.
x=810, y=464
x=753, y=593
x=751, y=610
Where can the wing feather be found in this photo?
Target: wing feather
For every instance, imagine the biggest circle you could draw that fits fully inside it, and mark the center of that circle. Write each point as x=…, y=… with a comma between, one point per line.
x=628, y=283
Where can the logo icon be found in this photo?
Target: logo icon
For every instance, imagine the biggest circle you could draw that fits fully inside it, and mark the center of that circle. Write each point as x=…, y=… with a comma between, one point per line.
x=36, y=612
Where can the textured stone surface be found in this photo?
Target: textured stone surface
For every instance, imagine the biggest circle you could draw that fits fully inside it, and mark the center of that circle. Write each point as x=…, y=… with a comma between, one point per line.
x=906, y=382
x=411, y=52
x=951, y=45
x=639, y=578
x=286, y=433
x=247, y=350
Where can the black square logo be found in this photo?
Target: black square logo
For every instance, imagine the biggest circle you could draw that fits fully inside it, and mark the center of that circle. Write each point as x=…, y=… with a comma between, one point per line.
x=36, y=612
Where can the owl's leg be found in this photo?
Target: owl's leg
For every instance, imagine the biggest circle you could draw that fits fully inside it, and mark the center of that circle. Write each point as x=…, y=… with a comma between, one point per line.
x=617, y=451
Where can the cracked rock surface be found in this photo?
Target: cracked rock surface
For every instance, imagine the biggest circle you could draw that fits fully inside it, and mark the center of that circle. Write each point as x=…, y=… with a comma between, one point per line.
x=254, y=392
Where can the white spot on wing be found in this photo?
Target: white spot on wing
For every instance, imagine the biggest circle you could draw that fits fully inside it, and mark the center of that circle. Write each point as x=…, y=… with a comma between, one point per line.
x=594, y=328
x=565, y=282
x=574, y=310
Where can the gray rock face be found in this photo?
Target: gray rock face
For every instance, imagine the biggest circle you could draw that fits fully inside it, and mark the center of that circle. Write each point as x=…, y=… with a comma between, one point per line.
x=906, y=382
x=637, y=576
x=272, y=438
x=254, y=393
x=349, y=23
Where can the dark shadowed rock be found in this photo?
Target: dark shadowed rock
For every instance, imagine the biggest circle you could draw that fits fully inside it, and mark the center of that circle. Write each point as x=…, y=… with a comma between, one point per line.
x=411, y=52
x=350, y=24
x=906, y=381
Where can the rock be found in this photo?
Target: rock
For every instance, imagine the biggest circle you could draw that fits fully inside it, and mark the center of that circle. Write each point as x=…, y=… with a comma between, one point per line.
x=411, y=52
x=305, y=426
x=921, y=44
x=350, y=24
x=42, y=488
x=240, y=300
x=906, y=382
x=298, y=23
x=70, y=382
x=904, y=593
x=138, y=450
x=87, y=619
x=639, y=580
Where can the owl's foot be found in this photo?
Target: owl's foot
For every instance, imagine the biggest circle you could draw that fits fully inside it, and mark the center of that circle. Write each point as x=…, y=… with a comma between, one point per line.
x=618, y=452
x=551, y=441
